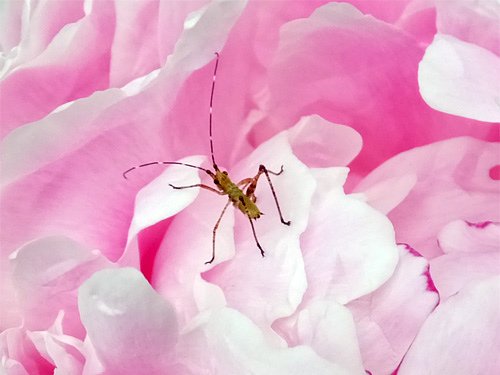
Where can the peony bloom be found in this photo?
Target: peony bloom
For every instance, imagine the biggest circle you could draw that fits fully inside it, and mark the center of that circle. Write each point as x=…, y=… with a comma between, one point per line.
x=384, y=116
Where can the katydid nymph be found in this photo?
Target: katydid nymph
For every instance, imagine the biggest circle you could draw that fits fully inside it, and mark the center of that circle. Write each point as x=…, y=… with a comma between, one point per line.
x=241, y=194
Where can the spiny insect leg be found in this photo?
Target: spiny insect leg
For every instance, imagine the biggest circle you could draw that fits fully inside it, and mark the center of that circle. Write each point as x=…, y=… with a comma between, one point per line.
x=255, y=236
x=215, y=231
x=262, y=168
x=251, y=189
x=201, y=186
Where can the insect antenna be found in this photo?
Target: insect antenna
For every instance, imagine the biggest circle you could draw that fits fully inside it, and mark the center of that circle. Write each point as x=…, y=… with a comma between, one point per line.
x=211, y=110
x=165, y=163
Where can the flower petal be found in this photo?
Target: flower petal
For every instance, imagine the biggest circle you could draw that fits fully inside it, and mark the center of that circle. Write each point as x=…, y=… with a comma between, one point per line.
x=353, y=69
x=388, y=319
x=453, y=182
x=282, y=278
x=349, y=248
x=240, y=347
x=471, y=21
x=46, y=275
x=459, y=336
x=132, y=328
x=472, y=253
x=461, y=79
x=328, y=328
x=312, y=138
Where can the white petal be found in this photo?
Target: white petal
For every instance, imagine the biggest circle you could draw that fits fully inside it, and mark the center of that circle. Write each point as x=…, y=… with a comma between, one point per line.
x=461, y=79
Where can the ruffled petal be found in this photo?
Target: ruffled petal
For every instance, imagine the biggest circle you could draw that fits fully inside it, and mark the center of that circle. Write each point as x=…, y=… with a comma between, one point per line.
x=240, y=347
x=459, y=336
x=388, y=319
x=453, y=181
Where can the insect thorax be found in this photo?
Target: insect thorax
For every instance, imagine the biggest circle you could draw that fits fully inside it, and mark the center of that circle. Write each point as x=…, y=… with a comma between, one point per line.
x=237, y=196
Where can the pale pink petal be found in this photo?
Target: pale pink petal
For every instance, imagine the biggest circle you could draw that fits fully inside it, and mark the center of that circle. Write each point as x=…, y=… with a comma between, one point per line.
x=461, y=336
x=186, y=246
x=11, y=19
x=377, y=195
x=41, y=22
x=319, y=143
x=461, y=79
x=329, y=329
x=238, y=346
x=472, y=253
x=132, y=328
x=158, y=201
x=349, y=248
x=463, y=236
x=419, y=19
x=73, y=65
x=474, y=22
x=65, y=352
x=453, y=182
x=20, y=356
x=388, y=319
x=135, y=41
x=282, y=267
x=46, y=276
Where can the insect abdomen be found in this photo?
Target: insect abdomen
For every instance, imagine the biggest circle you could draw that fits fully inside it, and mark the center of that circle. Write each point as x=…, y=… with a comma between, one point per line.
x=239, y=199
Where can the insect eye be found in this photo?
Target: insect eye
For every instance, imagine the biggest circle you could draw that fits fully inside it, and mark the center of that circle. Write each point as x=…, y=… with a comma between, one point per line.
x=225, y=172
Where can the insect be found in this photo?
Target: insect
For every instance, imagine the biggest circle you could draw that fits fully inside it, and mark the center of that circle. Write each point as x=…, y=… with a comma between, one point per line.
x=240, y=194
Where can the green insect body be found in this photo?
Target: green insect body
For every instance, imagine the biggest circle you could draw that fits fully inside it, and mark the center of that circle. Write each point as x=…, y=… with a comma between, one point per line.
x=243, y=202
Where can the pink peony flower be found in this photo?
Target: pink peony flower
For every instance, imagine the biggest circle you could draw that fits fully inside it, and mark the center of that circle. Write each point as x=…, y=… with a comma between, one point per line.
x=384, y=116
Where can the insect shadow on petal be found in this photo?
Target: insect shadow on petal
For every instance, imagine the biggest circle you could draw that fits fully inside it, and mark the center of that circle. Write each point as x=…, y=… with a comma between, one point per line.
x=240, y=194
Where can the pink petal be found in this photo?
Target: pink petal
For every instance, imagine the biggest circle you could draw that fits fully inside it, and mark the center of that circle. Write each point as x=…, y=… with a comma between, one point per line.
x=131, y=327
x=471, y=21
x=91, y=154
x=46, y=275
x=453, y=182
x=73, y=65
x=136, y=41
x=419, y=19
x=461, y=335
x=238, y=346
x=461, y=79
x=352, y=69
x=472, y=253
x=388, y=319
x=20, y=356
x=65, y=352
x=348, y=247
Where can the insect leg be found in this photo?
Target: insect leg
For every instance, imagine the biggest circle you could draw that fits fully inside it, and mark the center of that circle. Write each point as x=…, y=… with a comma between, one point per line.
x=201, y=186
x=262, y=168
x=276, y=173
x=251, y=189
x=245, y=182
x=256, y=240
x=215, y=231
